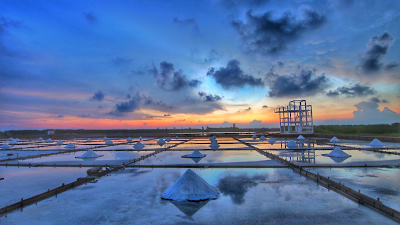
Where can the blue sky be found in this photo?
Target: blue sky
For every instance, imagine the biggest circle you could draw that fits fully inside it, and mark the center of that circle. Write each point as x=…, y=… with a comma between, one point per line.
x=148, y=62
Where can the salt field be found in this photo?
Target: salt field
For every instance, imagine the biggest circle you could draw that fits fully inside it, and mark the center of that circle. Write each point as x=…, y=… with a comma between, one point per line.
x=262, y=187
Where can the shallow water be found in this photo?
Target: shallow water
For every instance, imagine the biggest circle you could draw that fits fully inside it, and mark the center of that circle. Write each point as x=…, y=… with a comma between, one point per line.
x=264, y=196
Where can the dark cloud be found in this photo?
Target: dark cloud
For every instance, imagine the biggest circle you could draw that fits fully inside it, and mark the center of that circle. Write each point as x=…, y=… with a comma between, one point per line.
x=4, y=25
x=209, y=97
x=237, y=186
x=90, y=17
x=124, y=107
x=233, y=76
x=267, y=35
x=98, y=96
x=166, y=115
x=84, y=116
x=302, y=83
x=244, y=110
x=189, y=24
x=171, y=80
x=150, y=102
x=377, y=100
x=357, y=90
x=371, y=63
x=58, y=116
x=265, y=106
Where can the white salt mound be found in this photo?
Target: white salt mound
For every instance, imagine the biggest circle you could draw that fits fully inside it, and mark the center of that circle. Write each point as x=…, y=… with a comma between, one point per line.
x=161, y=142
x=337, y=153
x=5, y=146
x=254, y=136
x=291, y=144
x=190, y=187
x=70, y=146
x=10, y=139
x=12, y=142
x=140, y=138
x=138, y=145
x=104, y=138
x=16, y=139
x=129, y=139
x=176, y=137
x=214, y=144
x=89, y=140
x=109, y=142
x=376, y=143
x=40, y=139
x=271, y=140
x=59, y=142
x=168, y=139
x=300, y=137
x=89, y=154
x=211, y=138
x=49, y=140
x=335, y=139
x=262, y=138
x=195, y=154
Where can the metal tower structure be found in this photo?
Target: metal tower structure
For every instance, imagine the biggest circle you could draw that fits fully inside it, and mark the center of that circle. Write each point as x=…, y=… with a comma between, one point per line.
x=295, y=118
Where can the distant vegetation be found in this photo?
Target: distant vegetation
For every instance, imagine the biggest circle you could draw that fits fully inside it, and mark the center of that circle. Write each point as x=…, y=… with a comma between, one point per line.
x=392, y=130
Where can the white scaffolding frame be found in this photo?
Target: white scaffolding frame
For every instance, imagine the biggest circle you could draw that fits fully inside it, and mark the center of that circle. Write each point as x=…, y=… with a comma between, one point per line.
x=296, y=118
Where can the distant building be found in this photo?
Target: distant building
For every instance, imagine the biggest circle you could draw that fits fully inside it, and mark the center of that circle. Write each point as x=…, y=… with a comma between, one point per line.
x=295, y=118
x=51, y=132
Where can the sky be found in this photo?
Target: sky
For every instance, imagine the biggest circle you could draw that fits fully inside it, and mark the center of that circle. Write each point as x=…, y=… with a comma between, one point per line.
x=155, y=64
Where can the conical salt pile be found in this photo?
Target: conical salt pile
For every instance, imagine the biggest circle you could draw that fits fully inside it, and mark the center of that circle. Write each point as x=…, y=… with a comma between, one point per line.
x=212, y=138
x=190, y=187
x=40, y=139
x=300, y=137
x=12, y=142
x=59, y=142
x=5, y=146
x=376, y=143
x=176, y=137
x=49, y=140
x=214, y=144
x=140, y=138
x=195, y=154
x=129, y=139
x=104, y=138
x=70, y=146
x=254, y=137
x=16, y=139
x=161, y=142
x=337, y=153
x=271, y=141
x=89, y=154
x=291, y=144
x=262, y=138
x=167, y=139
x=335, y=139
x=138, y=145
x=89, y=140
x=109, y=142
x=10, y=139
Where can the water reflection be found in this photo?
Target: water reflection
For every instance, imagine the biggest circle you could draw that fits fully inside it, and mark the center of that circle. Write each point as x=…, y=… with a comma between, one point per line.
x=189, y=208
x=237, y=186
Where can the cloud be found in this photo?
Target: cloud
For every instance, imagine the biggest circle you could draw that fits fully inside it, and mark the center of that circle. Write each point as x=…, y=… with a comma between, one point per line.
x=171, y=80
x=189, y=21
x=124, y=107
x=377, y=100
x=244, y=110
x=371, y=63
x=209, y=97
x=357, y=90
x=232, y=4
x=167, y=115
x=4, y=25
x=367, y=113
x=255, y=123
x=265, y=106
x=189, y=24
x=58, y=116
x=90, y=17
x=267, y=35
x=237, y=186
x=98, y=96
x=302, y=83
x=233, y=76
x=84, y=116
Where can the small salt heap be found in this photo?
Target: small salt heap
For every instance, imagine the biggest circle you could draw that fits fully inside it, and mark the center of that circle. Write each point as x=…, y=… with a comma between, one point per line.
x=291, y=144
x=214, y=144
x=49, y=140
x=12, y=142
x=129, y=139
x=109, y=142
x=5, y=146
x=195, y=154
x=59, y=142
x=70, y=146
x=10, y=139
x=176, y=137
x=167, y=139
x=271, y=141
x=161, y=142
x=89, y=140
x=262, y=138
x=140, y=138
x=138, y=146
x=335, y=139
x=254, y=137
x=40, y=139
x=337, y=153
x=190, y=187
x=212, y=138
x=376, y=143
x=89, y=154
x=105, y=138
x=300, y=137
